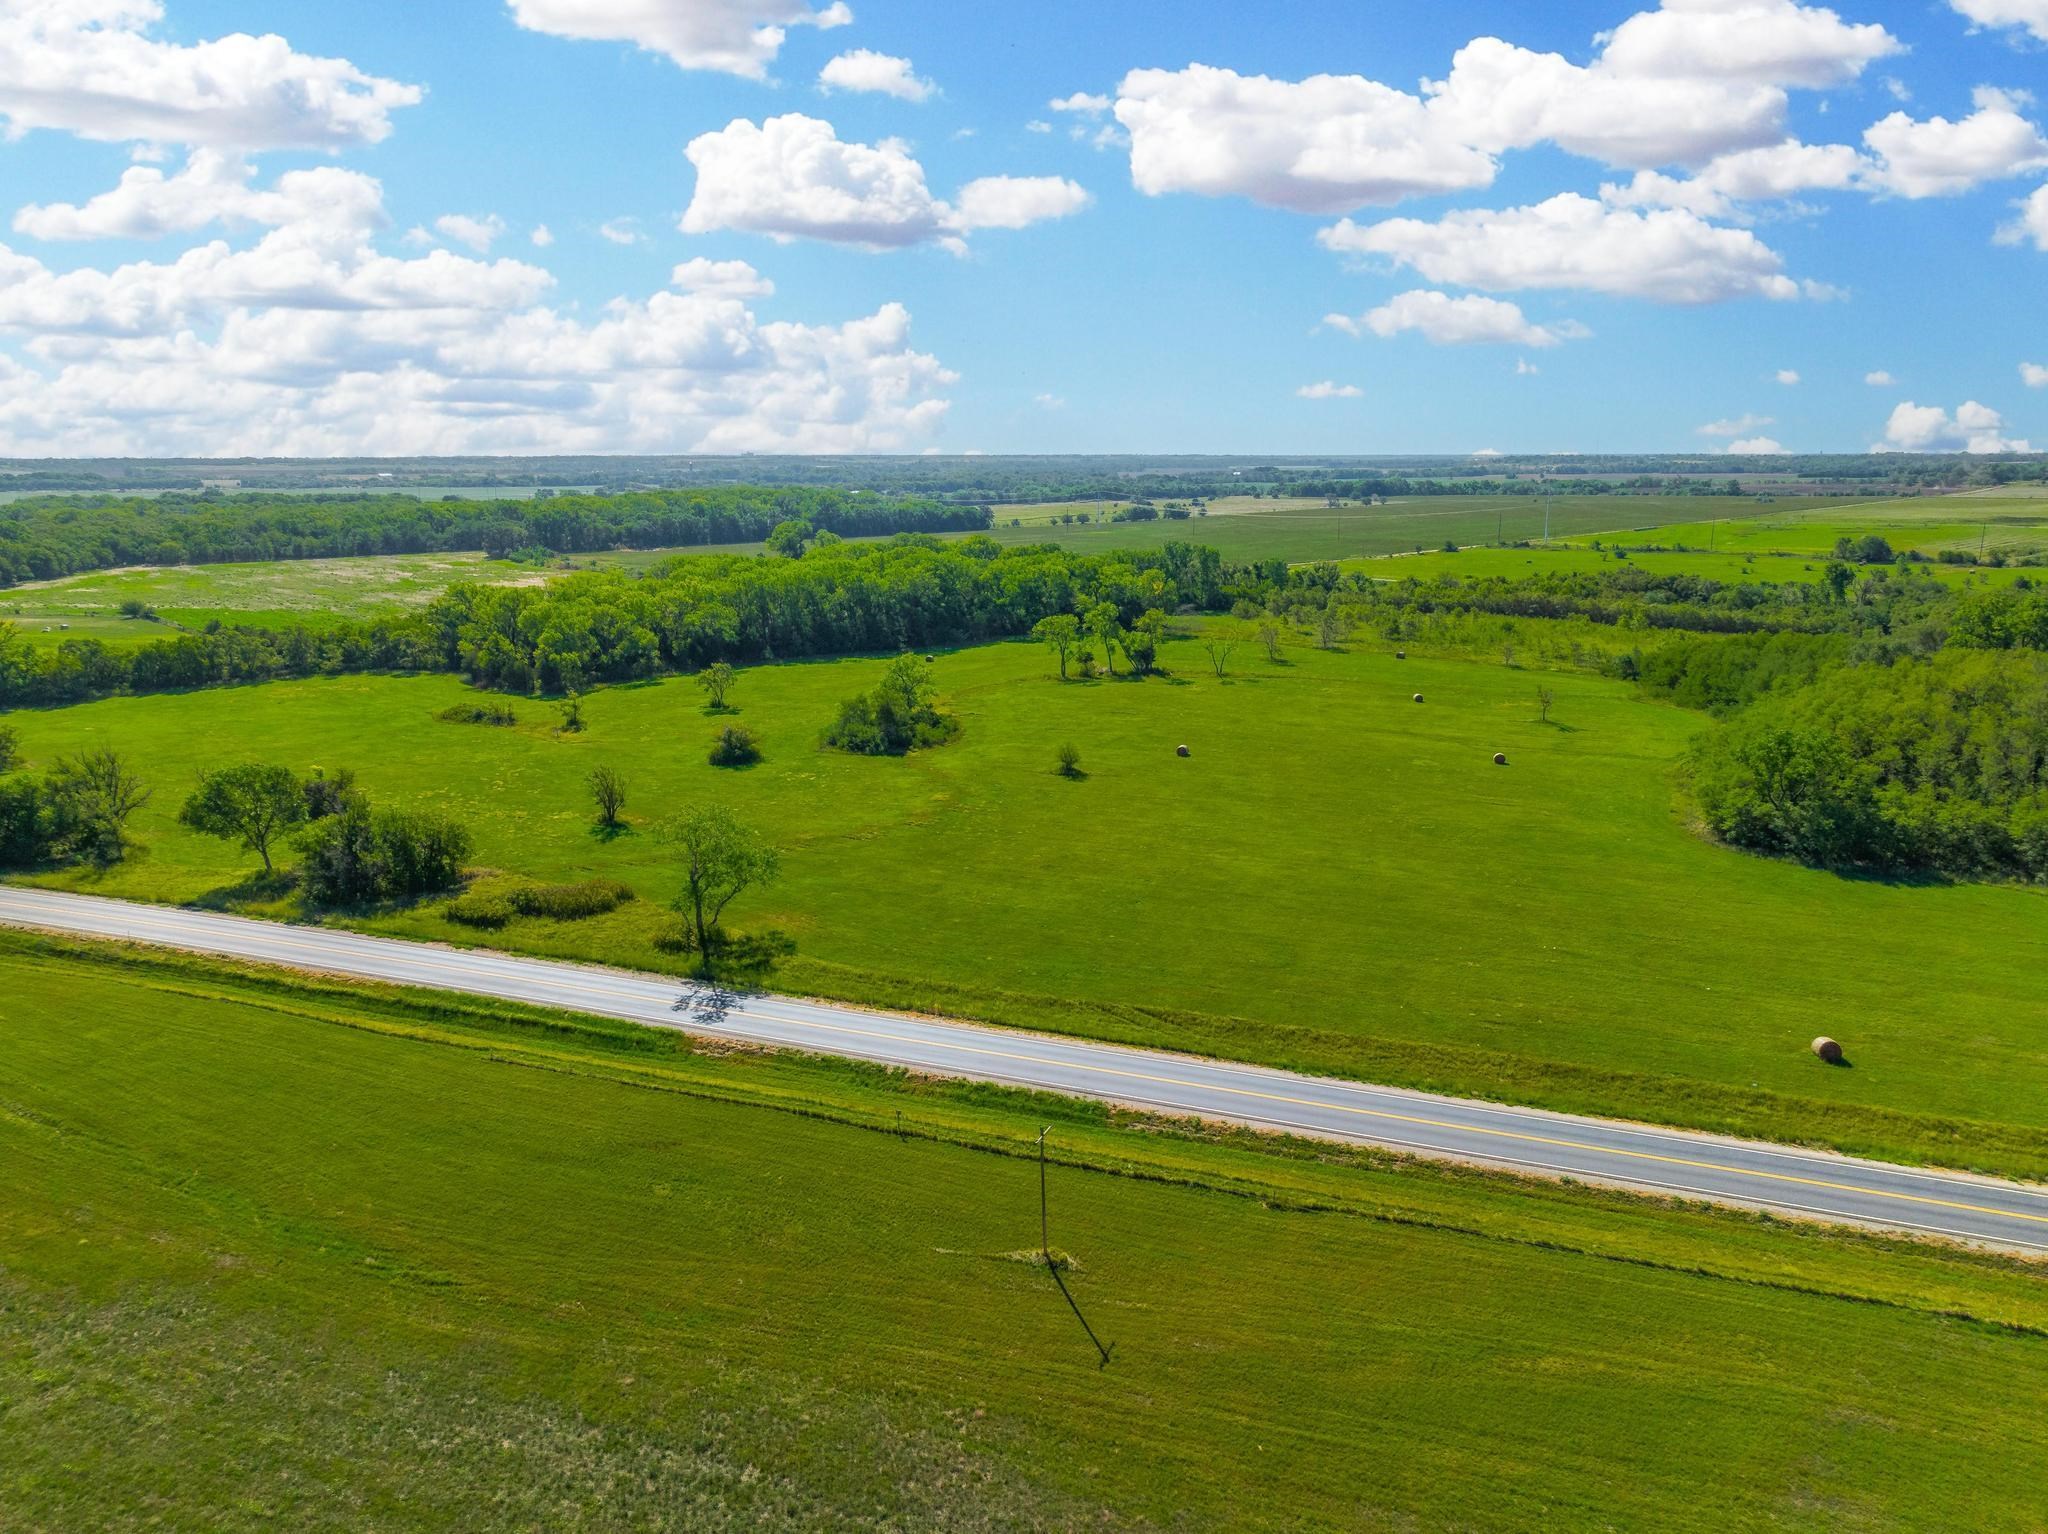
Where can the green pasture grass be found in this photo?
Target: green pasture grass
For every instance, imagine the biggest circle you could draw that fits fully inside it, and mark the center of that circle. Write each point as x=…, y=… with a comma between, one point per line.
x=281, y=1256
x=1927, y=524
x=1305, y=531
x=314, y=592
x=1337, y=879
x=1768, y=569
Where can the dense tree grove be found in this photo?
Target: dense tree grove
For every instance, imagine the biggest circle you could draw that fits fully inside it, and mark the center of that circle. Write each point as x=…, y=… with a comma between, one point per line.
x=914, y=592
x=1936, y=764
x=1882, y=601
x=45, y=537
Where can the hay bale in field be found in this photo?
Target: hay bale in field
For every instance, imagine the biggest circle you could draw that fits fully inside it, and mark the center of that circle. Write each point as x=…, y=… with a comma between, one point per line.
x=1828, y=1050
x=1400, y=655
x=1418, y=697
x=1500, y=759
x=1184, y=751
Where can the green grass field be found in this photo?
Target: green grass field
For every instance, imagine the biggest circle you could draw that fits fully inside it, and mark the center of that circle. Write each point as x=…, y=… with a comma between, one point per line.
x=2015, y=525
x=1772, y=569
x=1305, y=531
x=288, y=1256
x=1337, y=879
x=313, y=592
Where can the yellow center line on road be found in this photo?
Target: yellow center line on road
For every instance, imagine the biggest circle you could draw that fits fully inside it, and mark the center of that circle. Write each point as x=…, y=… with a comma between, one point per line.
x=1386, y=1115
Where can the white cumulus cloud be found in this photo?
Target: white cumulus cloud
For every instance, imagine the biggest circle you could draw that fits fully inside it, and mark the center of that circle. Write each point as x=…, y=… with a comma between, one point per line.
x=1328, y=389
x=1741, y=425
x=2031, y=225
x=1463, y=321
x=98, y=69
x=736, y=37
x=879, y=74
x=793, y=177
x=1940, y=158
x=727, y=279
x=1974, y=428
x=213, y=187
x=1880, y=379
x=2033, y=375
x=1757, y=447
x=1788, y=377
x=312, y=342
x=1572, y=241
x=1322, y=145
x=478, y=233
x=1016, y=202
x=1728, y=182
x=2030, y=14
x=1684, y=84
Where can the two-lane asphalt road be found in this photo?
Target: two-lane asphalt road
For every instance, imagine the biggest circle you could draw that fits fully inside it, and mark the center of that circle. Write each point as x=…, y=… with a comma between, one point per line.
x=1651, y=1160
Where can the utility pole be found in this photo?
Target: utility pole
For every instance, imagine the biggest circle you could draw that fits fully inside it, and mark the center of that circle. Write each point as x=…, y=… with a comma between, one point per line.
x=1546, y=510
x=1052, y=1267
x=1044, y=1224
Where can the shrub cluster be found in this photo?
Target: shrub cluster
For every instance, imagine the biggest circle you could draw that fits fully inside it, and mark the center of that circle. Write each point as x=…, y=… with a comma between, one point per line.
x=899, y=716
x=79, y=811
x=478, y=713
x=494, y=905
x=736, y=746
x=360, y=854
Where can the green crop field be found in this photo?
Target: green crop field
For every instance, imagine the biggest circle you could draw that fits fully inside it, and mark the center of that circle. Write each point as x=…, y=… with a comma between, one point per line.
x=2015, y=525
x=1774, y=569
x=314, y=592
x=285, y=1256
x=1337, y=879
x=1303, y=531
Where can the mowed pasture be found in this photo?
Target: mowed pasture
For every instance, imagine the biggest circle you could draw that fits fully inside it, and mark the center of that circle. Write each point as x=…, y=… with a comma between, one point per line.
x=1304, y=531
x=316, y=593
x=1337, y=878
x=280, y=1259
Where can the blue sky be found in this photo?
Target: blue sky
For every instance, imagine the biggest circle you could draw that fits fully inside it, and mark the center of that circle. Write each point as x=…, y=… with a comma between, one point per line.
x=1157, y=272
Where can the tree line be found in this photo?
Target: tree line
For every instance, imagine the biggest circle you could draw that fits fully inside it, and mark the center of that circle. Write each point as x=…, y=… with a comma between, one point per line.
x=911, y=593
x=47, y=537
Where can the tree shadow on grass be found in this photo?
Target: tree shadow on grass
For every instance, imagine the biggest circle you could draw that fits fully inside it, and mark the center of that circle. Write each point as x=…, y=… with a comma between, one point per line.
x=736, y=962
x=258, y=888
x=612, y=832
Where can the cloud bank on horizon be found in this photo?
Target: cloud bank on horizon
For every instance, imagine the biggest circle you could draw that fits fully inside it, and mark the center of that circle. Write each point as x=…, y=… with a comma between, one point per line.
x=286, y=251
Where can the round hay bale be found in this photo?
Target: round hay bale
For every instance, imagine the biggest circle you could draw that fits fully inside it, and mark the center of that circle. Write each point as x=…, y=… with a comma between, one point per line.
x=1400, y=655
x=1828, y=1050
x=1418, y=697
x=1184, y=751
x=1500, y=759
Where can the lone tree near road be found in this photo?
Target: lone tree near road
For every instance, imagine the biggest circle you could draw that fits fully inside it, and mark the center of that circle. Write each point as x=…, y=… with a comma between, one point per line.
x=720, y=860
x=1059, y=634
x=717, y=680
x=96, y=793
x=254, y=803
x=608, y=791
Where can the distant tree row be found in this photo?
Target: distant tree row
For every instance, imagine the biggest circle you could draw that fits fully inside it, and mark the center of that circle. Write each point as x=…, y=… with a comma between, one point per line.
x=45, y=537
x=911, y=593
